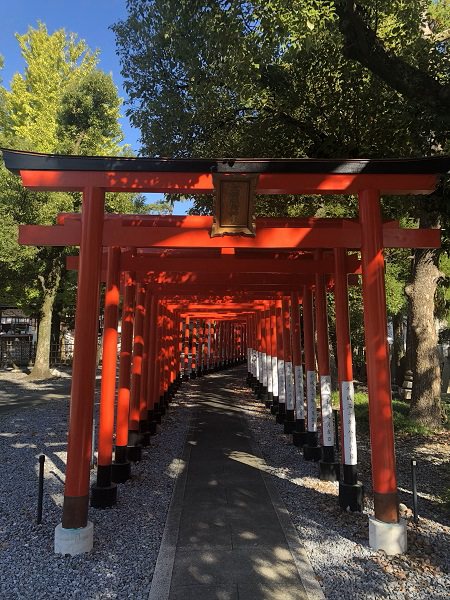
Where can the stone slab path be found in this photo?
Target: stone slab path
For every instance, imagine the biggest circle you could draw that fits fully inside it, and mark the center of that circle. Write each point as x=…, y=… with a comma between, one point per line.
x=228, y=535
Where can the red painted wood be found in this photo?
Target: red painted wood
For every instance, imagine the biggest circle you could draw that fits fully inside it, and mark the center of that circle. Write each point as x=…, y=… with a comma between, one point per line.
x=201, y=183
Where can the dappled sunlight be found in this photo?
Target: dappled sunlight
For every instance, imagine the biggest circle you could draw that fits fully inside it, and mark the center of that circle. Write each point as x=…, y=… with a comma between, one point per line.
x=176, y=468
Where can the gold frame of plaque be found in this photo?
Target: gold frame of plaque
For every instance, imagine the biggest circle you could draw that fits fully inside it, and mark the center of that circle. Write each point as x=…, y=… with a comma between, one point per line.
x=234, y=205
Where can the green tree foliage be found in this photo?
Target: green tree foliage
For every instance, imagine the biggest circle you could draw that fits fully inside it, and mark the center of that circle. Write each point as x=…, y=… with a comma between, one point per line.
x=61, y=103
x=296, y=79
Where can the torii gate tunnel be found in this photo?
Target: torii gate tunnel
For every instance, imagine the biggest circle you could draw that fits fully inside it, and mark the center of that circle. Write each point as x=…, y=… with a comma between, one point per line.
x=192, y=303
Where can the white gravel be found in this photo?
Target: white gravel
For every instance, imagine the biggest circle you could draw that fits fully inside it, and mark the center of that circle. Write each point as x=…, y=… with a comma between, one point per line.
x=127, y=537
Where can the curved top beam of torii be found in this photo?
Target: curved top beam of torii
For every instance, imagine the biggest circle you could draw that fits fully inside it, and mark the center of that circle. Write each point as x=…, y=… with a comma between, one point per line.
x=276, y=176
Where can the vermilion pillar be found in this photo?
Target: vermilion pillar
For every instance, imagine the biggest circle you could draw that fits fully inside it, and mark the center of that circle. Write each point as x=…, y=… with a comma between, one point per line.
x=121, y=465
x=201, y=347
x=150, y=387
x=281, y=412
x=350, y=490
x=134, y=437
x=377, y=357
x=289, y=373
x=76, y=490
x=267, y=372
x=186, y=361
x=273, y=351
x=329, y=468
x=299, y=433
x=249, y=351
x=311, y=450
x=103, y=493
x=262, y=393
x=193, y=373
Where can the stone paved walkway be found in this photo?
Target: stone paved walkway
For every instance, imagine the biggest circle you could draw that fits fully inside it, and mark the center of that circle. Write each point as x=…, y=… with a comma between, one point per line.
x=227, y=534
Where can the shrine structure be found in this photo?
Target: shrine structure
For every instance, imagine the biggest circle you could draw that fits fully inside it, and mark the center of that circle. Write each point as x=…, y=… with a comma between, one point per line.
x=197, y=297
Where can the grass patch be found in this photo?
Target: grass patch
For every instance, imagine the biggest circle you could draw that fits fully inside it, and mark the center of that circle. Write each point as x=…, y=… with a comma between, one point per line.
x=402, y=422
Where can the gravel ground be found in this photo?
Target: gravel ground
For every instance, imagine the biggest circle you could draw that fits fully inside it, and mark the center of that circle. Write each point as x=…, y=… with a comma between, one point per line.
x=337, y=542
x=127, y=541
x=127, y=537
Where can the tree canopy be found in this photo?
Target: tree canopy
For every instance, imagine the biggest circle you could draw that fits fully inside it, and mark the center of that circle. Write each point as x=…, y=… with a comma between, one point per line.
x=301, y=79
x=61, y=103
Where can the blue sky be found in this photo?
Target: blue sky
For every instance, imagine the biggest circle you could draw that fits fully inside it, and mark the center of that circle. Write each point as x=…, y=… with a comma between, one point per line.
x=90, y=19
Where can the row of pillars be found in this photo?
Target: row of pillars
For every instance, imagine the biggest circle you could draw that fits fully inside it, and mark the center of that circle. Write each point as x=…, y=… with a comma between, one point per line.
x=277, y=374
x=150, y=371
x=209, y=346
x=158, y=349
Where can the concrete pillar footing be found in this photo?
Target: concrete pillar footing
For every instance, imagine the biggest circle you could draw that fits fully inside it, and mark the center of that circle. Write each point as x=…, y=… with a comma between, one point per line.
x=390, y=537
x=74, y=541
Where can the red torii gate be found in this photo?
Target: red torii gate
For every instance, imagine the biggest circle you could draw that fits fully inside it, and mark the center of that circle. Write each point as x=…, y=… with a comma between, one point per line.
x=94, y=176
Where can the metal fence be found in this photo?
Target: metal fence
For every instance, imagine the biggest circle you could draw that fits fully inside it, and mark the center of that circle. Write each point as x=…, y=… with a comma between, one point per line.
x=20, y=351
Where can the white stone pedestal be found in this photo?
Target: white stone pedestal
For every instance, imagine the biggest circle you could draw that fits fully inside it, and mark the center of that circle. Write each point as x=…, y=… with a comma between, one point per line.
x=74, y=541
x=390, y=537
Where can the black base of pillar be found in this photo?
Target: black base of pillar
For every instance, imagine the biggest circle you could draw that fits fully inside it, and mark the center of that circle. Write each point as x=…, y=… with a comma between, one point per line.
x=329, y=471
x=134, y=438
x=299, y=438
x=152, y=427
x=281, y=414
x=199, y=372
x=289, y=422
x=145, y=433
x=270, y=397
x=351, y=496
x=134, y=453
x=103, y=497
x=289, y=427
x=120, y=472
x=268, y=404
x=193, y=374
x=145, y=441
x=312, y=452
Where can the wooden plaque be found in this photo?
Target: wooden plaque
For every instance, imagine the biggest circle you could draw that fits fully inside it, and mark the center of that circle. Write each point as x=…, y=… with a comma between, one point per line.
x=234, y=205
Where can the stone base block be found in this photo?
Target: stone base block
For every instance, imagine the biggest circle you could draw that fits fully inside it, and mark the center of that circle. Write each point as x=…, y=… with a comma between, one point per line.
x=299, y=438
x=351, y=496
x=329, y=471
x=103, y=497
x=312, y=452
x=74, y=541
x=289, y=426
x=390, y=537
x=134, y=453
x=120, y=472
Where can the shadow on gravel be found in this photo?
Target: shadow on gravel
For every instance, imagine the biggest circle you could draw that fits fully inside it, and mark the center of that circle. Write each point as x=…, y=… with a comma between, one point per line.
x=18, y=394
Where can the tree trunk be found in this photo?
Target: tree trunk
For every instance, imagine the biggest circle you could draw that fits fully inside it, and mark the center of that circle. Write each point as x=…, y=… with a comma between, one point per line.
x=426, y=391
x=41, y=368
x=397, y=348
